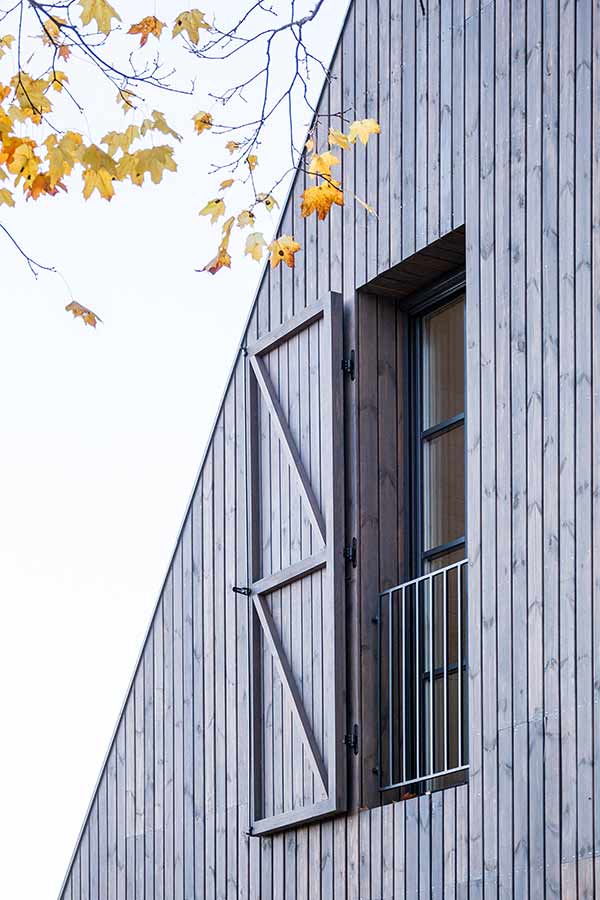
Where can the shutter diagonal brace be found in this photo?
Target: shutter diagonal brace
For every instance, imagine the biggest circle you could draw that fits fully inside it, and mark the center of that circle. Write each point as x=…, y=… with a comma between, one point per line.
x=289, y=686
x=287, y=442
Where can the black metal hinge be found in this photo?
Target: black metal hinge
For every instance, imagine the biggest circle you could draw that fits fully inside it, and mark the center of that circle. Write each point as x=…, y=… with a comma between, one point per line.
x=242, y=590
x=348, y=365
x=351, y=740
x=350, y=553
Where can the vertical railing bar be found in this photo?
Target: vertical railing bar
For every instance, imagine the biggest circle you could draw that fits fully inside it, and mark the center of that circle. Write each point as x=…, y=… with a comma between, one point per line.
x=431, y=679
x=390, y=688
x=459, y=572
x=418, y=677
x=446, y=669
x=379, y=701
x=404, y=694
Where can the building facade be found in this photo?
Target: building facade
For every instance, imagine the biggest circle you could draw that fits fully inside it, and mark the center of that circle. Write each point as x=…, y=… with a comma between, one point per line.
x=315, y=712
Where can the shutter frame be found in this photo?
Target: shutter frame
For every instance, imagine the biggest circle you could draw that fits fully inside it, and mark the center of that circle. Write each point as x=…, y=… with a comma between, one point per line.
x=326, y=519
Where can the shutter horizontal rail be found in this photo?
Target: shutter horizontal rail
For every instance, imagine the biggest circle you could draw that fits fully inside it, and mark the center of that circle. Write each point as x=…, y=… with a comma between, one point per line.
x=291, y=573
x=422, y=665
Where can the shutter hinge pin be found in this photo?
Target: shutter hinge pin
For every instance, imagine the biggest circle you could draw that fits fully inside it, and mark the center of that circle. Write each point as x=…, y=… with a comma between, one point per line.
x=348, y=365
x=351, y=740
x=350, y=553
x=242, y=590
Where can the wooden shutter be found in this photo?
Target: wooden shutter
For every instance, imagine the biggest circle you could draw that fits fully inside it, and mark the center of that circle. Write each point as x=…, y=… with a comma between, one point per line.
x=296, y=464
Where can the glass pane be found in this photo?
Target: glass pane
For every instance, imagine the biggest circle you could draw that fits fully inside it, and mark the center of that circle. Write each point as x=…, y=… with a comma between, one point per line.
x=443, y=363
x=444, y=488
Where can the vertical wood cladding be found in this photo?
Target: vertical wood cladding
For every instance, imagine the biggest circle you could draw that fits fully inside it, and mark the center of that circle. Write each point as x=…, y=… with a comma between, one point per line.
x=491, y=119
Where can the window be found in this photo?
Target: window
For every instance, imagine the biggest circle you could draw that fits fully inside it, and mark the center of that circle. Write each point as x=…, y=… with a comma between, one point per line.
x=423, y=733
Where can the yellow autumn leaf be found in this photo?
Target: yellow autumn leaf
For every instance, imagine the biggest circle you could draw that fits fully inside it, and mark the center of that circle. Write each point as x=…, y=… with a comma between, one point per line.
x=283, y=250
x=192, y=21
x=79, y=311
x=99, y=171
x=214, y=208
x=310, y=144
x=246, y=217
x=52, y=30
x=99, y=11
x=153, y=161
x=120, y=140
x=269, y=201
x=232, y=146
x=30, y=94
x=6, y=198
x=226, y=184
x=338, y=139
x=321, y=198
x=5, y=44
x=226, y=232
x=255, y=245
x=41, y=184
x=221, y=259
x=321, y=164
x=362, y=129
x=61, y=155
x=147, y=26
x=58, y=79
x=202, y=121
x=126, y=99
x=252, y=161
x=158, y=123
x=24, y=164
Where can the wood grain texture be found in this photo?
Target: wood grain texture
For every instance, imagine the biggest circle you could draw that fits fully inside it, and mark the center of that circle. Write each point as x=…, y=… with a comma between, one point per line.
x=489, y=156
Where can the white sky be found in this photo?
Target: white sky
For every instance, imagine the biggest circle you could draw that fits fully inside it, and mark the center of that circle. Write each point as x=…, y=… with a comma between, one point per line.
x=101, y=435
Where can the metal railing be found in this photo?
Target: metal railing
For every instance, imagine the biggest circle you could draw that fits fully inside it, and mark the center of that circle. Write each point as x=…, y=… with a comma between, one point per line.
x=422, y=681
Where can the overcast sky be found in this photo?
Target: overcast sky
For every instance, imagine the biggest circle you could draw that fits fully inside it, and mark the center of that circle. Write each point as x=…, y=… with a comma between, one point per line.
x=101, y=436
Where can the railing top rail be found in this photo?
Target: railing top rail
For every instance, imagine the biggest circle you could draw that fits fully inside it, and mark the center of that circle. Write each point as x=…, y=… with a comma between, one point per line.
x=427, y=577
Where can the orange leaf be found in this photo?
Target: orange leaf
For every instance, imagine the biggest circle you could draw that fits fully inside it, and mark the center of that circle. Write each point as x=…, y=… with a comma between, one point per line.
x=89, y=317
x=283, y=250
x=321, y=198
x=147, y=26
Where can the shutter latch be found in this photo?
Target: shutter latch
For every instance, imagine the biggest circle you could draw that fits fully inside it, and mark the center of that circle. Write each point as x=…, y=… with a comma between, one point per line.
x=348, y=365
x=351, y=740
x=350, y=553
x=242, y=590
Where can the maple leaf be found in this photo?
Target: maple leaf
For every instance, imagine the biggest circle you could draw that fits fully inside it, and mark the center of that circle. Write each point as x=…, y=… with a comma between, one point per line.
x=64, y=52
x=101, y=12
x=147, y=26
x=24, y=164
x=255, y=245
x=52, y=30
x=321, y=198
x=338, y=139
x=5, y=43
x=362, y=129
x=30, y=95
x=252, y=161
x=321, y=164
x=269, y=201
x=158, y=123
x=58, y=79
x=246, y=217
x=125, y=98
x=283, y=250
x=99, y=171
x=79, y=311
x=153, y=160
x=6, y=198
x=61, y=155
x=214, y=208
x=232, y=146
x=192, y=22
x=202, y=121
x=226, y=184
x=120, y=140
x=221, y=259
x=41, y=184
x=310, y=144
x=226, y=232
